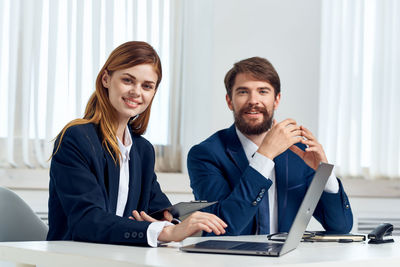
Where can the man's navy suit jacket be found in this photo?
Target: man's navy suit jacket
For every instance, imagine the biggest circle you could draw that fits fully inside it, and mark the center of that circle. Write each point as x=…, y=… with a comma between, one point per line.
x=84, y=182
x=220, y=171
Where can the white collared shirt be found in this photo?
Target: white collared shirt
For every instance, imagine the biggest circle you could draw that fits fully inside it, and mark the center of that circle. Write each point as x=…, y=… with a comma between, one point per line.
x=266, y=167
x=155, y=228
x=123, y=188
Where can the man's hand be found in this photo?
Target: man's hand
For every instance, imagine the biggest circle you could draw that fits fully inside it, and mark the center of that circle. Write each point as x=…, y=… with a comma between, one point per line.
x=279, y=138
x=314, y=153
x=197, y=221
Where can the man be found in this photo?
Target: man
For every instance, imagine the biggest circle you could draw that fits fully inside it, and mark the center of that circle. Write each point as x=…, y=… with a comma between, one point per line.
x=258, y=169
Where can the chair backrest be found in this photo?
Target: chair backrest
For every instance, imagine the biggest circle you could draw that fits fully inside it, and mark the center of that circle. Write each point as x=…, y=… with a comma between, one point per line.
x=18, y=222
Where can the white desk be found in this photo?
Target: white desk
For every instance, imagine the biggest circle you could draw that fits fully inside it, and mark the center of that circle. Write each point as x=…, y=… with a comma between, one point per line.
x=69, y=253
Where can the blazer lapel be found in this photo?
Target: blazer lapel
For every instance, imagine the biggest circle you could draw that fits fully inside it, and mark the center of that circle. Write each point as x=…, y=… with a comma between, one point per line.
x=282, y=179
x=135, y=179
x=112, y=181
x=235, y=150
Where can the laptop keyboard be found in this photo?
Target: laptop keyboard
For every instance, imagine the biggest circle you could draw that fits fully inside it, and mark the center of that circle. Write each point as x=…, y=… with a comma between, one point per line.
x=217, y=244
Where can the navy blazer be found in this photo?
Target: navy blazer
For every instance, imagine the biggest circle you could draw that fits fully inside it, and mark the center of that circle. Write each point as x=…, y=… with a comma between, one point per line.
x=84, y=184
x=219, y=171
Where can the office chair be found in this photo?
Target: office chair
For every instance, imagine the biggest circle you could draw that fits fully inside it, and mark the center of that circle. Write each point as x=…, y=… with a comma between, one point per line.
x=18, y=222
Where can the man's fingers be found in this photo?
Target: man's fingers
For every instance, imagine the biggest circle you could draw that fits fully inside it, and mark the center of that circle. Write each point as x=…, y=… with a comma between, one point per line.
x=310, y=143
x=312, y=149
x=307, y=133
x=284, y=123
x=288, y=122
x=296, y=132
x=292, y=128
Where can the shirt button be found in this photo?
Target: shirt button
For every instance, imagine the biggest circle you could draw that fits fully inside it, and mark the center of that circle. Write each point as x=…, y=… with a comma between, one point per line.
x=126, y=235
x=347, y=206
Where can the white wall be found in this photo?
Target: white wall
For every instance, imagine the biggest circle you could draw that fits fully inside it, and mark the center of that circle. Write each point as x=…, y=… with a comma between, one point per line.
x=222, y=32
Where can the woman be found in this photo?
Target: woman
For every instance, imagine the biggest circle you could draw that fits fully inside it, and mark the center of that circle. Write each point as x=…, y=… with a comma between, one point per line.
x=102, y=169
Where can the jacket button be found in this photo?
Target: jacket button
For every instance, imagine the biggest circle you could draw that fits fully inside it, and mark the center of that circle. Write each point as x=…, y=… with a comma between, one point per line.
x=254, y=203
x=263, y=190
x=134, y=234
x=347, y=206
x=126, y=235
x=258, y=199
x=140, y=234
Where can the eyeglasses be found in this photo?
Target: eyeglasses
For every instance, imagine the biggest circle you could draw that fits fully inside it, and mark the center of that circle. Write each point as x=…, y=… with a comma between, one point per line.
x=281, y=237
x=320, y=236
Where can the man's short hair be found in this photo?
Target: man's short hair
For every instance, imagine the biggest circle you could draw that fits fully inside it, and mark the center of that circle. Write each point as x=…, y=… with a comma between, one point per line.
x=258, y=67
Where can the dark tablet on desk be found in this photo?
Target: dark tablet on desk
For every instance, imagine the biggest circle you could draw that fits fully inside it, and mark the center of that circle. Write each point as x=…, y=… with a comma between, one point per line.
x=182, y=208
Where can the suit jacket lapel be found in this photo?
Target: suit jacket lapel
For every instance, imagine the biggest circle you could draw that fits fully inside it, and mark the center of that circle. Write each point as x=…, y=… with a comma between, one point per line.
x=281, y=179
x=112, y=181
x=135, y=179
x=235, y=150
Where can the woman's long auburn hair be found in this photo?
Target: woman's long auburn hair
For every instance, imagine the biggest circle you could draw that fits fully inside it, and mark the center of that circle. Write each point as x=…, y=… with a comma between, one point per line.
x=99, y=109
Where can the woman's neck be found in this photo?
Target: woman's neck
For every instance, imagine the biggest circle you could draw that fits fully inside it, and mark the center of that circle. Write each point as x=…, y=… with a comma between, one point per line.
x=121, y=131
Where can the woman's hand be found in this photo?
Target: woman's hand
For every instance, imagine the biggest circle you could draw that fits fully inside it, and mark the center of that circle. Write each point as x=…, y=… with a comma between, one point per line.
x=143, y=216
x=197, y=221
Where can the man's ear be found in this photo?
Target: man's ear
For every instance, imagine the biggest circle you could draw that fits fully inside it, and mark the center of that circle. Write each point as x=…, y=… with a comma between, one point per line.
x=277, y=101
x=105, y=79
x=229, y=102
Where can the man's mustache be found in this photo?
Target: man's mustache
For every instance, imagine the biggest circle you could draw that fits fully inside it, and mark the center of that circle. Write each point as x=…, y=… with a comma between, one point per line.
x=262, y=110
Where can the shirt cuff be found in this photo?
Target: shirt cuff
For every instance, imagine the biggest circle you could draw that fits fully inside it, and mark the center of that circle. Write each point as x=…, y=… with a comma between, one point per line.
x=332, y=185
x=262, y=164
x=154, y=230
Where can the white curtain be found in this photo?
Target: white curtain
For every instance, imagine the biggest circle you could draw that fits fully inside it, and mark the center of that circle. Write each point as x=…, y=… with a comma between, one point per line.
x=51, y=52
x=359, y=123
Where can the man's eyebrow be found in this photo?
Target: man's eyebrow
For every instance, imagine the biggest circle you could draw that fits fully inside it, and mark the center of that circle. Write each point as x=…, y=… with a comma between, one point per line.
x=241, y=88
x=264, y=88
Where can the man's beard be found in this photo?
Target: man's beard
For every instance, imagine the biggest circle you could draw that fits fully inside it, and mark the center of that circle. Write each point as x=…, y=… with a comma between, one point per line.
x=257, y=129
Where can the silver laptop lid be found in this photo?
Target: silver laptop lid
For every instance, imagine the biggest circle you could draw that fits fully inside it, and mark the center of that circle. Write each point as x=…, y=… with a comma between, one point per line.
x=307, y=207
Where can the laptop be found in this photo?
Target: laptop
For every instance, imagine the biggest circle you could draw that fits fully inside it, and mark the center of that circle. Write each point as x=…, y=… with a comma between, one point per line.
x=293, y=239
